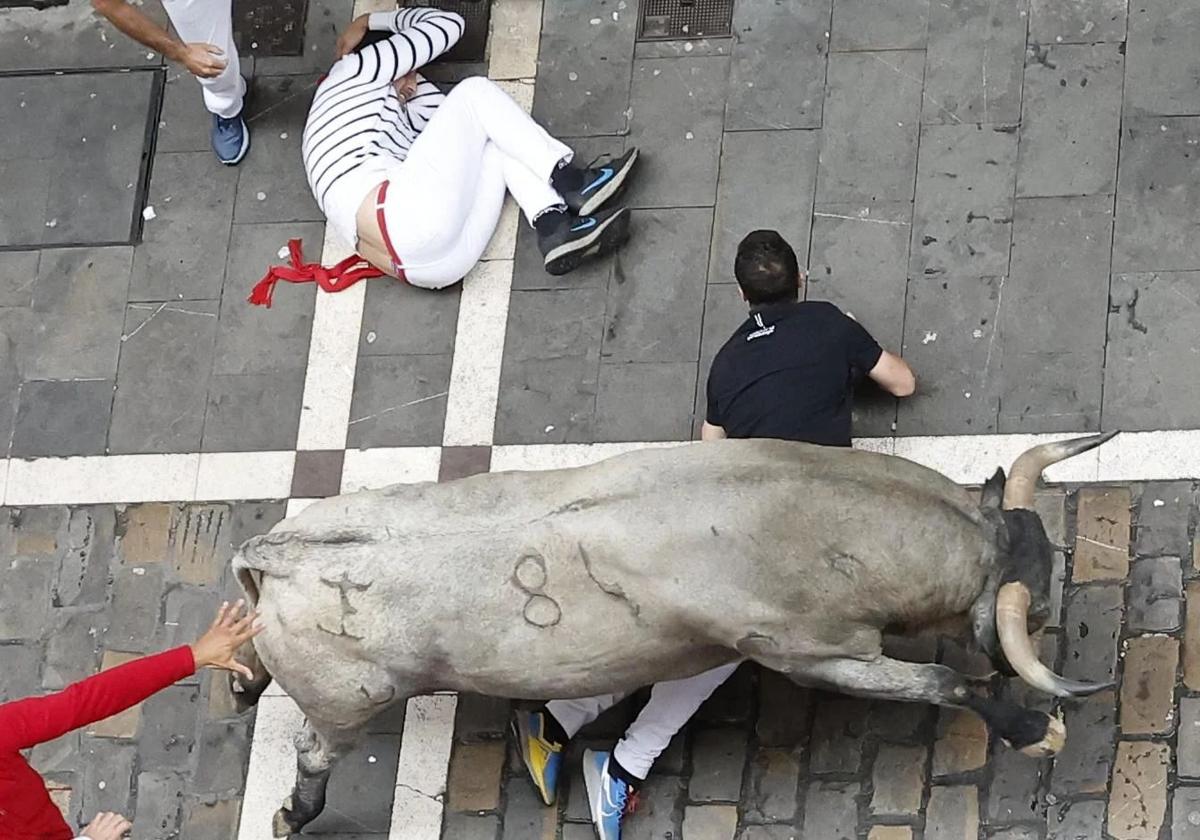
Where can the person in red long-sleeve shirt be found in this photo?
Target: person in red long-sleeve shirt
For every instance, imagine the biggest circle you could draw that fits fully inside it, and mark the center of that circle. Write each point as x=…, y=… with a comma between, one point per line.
x=26, y=810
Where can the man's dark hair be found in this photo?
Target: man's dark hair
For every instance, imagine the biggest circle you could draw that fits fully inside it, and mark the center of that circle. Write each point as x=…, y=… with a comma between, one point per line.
x=766, y=268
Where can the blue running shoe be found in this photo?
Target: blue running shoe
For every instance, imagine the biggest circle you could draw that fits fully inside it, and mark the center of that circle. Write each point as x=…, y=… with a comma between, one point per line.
x=577, y=239
x=230, y=139
x=609, y=799
x=602, y=181
x=542, y=757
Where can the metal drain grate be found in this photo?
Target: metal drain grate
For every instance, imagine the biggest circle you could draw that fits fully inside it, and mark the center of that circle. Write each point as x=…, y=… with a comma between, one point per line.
x=477, y=14
x=675, y=20
x=269, y=27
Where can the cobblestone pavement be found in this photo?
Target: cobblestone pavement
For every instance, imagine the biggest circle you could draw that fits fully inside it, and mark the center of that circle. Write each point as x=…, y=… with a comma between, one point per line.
x=764, y=760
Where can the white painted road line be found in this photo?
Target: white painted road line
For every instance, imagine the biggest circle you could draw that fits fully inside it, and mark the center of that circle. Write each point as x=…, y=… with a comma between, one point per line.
x=424, y=767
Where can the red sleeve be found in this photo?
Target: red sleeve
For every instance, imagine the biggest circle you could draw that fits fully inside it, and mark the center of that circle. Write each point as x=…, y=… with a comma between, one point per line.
x=34, y=720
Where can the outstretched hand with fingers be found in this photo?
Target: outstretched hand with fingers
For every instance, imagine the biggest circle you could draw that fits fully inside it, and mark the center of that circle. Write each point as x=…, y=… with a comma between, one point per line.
x=232, y=628
x=107, y=826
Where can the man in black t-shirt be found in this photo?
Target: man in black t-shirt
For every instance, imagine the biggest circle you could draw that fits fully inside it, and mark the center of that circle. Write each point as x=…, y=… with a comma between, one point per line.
x=789, y=371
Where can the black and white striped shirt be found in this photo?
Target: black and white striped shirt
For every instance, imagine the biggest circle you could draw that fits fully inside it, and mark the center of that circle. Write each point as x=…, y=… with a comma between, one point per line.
x=358, y=127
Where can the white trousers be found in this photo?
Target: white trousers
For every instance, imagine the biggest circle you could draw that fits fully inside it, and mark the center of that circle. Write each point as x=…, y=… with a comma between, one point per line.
x=671, y=705
x=211, y=22
x=444, y=200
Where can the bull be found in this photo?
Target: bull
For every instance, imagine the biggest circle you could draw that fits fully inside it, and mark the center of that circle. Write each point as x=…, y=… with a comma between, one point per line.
x=795, y=556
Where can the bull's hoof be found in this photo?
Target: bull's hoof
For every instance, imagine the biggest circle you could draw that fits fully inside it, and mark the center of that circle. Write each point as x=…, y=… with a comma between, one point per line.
x=1053, y=738
x=282, y=825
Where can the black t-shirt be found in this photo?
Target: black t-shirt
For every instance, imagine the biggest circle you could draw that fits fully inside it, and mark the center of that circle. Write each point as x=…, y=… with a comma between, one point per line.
x=789, y=372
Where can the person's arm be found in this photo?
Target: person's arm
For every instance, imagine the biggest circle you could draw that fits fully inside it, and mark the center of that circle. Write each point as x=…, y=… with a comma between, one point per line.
x=202, y=60
x=894, y=375
x=708, y=431
x=34, y=720
x=419, y=36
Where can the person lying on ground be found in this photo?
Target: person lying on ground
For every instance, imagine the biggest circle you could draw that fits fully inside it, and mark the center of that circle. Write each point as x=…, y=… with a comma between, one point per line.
x=788, y=372
x=26, y=810
x=415, y=179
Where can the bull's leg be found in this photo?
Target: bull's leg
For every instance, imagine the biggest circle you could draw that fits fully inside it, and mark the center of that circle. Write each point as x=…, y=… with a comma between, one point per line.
x=318, y=748
x=1032, y=732
x=246, y=692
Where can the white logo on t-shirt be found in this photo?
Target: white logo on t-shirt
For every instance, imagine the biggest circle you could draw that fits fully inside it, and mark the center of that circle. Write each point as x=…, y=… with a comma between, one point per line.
x=762, y=331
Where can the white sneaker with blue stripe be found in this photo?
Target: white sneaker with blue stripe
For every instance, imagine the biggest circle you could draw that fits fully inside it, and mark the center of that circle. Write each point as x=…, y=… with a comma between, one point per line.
x=608, y=798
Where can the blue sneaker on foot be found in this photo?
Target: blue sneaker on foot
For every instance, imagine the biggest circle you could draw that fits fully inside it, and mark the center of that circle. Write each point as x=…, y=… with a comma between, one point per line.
x=609, y=799
x=542, y=757
x=230, y=139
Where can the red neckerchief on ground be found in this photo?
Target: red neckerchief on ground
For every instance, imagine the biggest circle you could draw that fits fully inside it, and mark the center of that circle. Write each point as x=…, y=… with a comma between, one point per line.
x=336, y=278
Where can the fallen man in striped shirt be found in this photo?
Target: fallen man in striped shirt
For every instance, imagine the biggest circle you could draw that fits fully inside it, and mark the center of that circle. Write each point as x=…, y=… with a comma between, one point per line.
x=416, y=178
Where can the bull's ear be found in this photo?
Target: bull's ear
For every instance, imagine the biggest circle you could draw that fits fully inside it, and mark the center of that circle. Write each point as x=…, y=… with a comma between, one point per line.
x=993, y=491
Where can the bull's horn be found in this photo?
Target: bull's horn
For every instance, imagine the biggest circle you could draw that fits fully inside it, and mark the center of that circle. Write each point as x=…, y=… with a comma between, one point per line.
x=1023, y=477
x=1012, y=612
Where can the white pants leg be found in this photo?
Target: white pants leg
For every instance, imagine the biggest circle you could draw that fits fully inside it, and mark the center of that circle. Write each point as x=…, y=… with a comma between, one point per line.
x=211, y=22
x=671, y=705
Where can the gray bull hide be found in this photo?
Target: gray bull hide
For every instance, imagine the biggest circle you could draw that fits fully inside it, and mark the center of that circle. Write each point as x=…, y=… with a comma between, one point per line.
x=653, y=565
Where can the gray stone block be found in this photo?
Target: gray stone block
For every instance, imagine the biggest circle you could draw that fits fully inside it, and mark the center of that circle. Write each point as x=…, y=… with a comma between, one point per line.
x=62, y=418
x=163, y=376
x=73, y=651
x=90, y=540
x=576, y=58
x=325, y=21
x=1158, y=199
x=1083, y=765
x=208, y=818
x=469, y=827
x=1161, y=76
x=480, y=718
x=136, y=609
x=732, y=702
x=951, y=341
x=27, y=585
x=253, y=412
x=898, y=778
x=1185, y=807
x=656, y=302
x=79, y=311
x=777, y=76
x=62, y=755
x=973, y=72
x=255, y=339
x=18, y=273
x=524, y=814
x=1187, y=753
x=678, y=110
x=399, y=319
x=837, y=734
x=767, y=180
x=1162, y=521
x=361, y=791
x=70, y=36
x=73, y=163
x=783, y=711
x=221, y=758
x=864, y=25
x=1083, y=22
x=107, y=776
x=718, y=761
x=273, y=188
x=20, y=676
x=1075, y=820
x=830, y=810
x=1014, y=792
x=871, y=123
x=399, y=401
x=963, y=213
x=159, y=806
x=184, y=123
x=1146, y=324
x=1051, y=390
x=169, y=722
x=1071, y=121
x=548, y=380
x=193, y=204
x=652, y=401
x=1156, y=595
x=896, y=722
x=660, y=810
x=1093, y=623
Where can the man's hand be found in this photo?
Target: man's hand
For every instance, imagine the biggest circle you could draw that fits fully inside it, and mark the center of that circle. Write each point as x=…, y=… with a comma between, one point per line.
x=204, y=61
x=230, y=630
x=355, y=32
x=406, y=85
x=107, y=826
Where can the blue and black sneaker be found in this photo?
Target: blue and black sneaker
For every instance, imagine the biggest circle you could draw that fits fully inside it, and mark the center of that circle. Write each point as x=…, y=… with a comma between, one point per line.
x=572, y=240
x=230, y=138
x=609, y=799
x=602, y=181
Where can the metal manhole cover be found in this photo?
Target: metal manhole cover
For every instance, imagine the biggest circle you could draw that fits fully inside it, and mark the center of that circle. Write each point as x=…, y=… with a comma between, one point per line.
x=477, y=14
x=674, y=20
x=269, y=27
